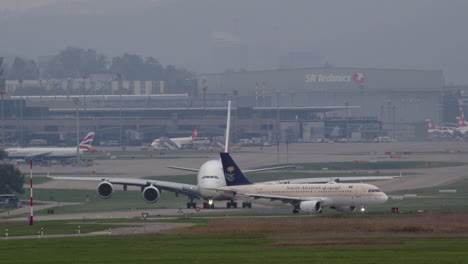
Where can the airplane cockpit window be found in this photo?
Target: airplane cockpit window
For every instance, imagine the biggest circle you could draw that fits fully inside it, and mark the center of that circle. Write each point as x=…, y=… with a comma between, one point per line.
x=373, y=190
x=210, y=177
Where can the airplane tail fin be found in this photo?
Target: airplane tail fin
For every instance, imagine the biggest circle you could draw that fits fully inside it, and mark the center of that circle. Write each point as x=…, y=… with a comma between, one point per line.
x=195, y=132
x=461, y=119
x=228, y=129
x=232, y=173
x=430, y=125
x=87, y=142
x=461, y=122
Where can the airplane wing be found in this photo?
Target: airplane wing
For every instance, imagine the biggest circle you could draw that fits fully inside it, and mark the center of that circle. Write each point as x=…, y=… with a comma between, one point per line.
x=332, y=179
x=271, y=198
x=186, y=189
x=268, y=169
x=182, y=168
x=246, y=171
x=284, y=199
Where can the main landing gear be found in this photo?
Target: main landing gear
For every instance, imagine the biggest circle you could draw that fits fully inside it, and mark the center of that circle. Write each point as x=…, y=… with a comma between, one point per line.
x=246, y=205
x=191, y=204
x=233, y=204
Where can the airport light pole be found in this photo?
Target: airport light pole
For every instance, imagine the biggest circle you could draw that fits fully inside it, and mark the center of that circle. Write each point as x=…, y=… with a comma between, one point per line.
x=84, y=93
x=292, y=94
x=381, y=120
x=40, y=96
x=236, y=97
x=394, y=122
x=76, y=100
x=2, y=93
x=278, y=93
x=21, y=116
x=204, y=97
x=347, y=120
x=120, y=121
x=278, y=133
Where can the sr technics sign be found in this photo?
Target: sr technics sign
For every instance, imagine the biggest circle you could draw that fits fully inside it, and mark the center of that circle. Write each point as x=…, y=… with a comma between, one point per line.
x=357, y=77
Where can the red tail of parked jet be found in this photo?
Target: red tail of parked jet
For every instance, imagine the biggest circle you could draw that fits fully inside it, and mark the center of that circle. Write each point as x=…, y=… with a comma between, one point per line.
x=433, y=129
x=86, y=143
x=461, y=121
x=430, y=125
x=195, y=132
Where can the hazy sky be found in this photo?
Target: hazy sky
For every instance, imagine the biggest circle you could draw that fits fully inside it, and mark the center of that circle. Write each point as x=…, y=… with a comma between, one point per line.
x=407, y=34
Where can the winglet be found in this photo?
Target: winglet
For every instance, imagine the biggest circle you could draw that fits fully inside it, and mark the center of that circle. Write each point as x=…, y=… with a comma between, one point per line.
x=232, y=173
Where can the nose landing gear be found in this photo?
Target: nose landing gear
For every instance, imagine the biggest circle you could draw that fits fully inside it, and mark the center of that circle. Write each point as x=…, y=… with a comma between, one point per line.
x=208, y=205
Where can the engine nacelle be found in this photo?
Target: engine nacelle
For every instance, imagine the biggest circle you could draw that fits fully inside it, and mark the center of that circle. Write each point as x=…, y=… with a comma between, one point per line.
x=311, y=206
x=105, y=190
x=151, y=194
x=346, y=209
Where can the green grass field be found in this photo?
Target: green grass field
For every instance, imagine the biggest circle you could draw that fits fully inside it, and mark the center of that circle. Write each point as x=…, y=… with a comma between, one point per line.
x=380, y=238
x=230, y=248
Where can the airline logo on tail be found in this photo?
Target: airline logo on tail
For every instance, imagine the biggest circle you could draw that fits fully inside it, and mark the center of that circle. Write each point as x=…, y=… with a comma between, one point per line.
x=195, y=132
x=229, y=167
x=87, y=142
x=461, y=121
x=430, y=125
x=230, y=176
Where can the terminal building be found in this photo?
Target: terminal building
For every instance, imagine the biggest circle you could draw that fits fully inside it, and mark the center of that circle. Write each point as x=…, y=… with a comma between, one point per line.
x=304, y=104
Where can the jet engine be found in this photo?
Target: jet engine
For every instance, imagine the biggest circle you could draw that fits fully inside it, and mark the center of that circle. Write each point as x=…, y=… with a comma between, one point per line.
x=151, y=194
x=311, y=206
x=346, y=209
x=105, y=190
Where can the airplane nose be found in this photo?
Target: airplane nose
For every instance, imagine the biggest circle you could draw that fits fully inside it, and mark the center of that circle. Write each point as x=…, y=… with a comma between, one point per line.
x=384, y=197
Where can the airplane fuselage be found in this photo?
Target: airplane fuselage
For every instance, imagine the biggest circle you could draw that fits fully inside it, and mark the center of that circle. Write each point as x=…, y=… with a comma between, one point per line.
x=209, y=177
x=330, y=195
x=43, y=153
x=180, y=142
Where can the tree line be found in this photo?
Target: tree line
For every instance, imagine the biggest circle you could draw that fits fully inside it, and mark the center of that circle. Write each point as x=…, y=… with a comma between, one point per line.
x=81, y=63
x=11, y=178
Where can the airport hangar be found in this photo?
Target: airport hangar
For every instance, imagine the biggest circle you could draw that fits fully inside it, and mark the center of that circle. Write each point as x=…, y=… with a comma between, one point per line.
x=303, y=104
x=400, y=99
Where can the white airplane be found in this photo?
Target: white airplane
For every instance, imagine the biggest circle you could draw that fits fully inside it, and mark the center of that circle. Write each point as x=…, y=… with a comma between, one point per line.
x=462, y=123
x=176, y=143
x=210, y=177
x=307, y=197
x=433, y=129
x=51, y=153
